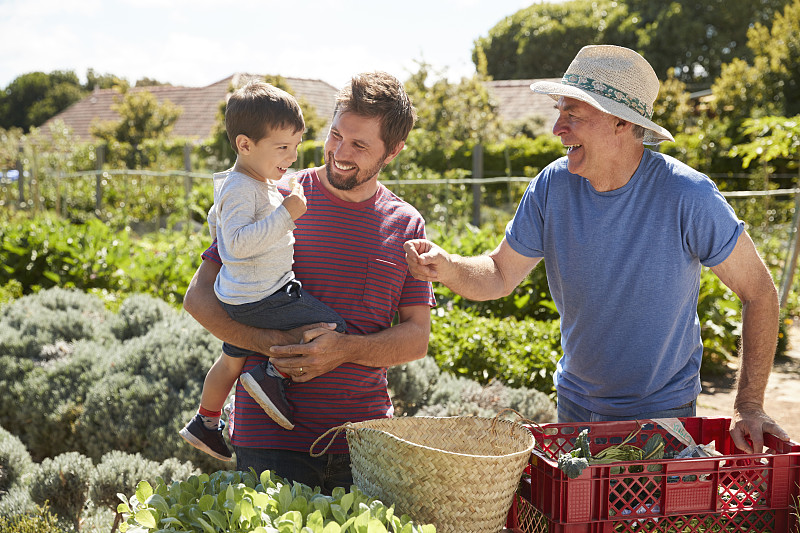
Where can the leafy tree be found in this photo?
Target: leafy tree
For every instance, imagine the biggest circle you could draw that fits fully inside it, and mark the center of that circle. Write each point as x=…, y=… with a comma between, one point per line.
x=771, y=138
x=149, y=82
x=689, y=37
x=32, y=98
x=694, y=38
x=217, y=149
x=770, y=84
x=10, y=140
x=104, y=81
x=449, y=115
x=540, y=41
x=142, y=118
x=672, y=109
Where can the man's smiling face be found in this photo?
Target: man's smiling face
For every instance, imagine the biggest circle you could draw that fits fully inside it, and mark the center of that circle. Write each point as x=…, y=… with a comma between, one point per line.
x=354, y=151
x=588, y=134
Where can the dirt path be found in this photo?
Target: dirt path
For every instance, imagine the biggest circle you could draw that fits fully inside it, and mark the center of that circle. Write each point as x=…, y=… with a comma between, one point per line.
x=782, y=399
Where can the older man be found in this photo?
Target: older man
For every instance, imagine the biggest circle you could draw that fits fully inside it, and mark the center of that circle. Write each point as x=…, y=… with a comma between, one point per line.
x=624, y=233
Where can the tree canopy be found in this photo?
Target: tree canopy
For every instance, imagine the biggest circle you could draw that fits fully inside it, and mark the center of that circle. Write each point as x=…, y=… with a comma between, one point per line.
x=142, y=118
x=32, y=98
x=693, y=39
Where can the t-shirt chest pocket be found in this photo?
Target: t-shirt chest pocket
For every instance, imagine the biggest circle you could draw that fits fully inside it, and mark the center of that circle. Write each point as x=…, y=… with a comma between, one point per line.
x=383, y=285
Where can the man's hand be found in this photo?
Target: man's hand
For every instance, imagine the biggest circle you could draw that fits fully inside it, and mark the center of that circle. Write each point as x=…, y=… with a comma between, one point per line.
x=426, y=260
x=317, y=350
x=751, y=422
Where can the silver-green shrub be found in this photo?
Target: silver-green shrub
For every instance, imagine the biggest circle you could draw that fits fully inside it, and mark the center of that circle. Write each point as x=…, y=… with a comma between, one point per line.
x=15, y=461
x=91, y=392
x=119, y=472
x=45, y=318
x=63, y=482
x=137, y=314
x=420, y=388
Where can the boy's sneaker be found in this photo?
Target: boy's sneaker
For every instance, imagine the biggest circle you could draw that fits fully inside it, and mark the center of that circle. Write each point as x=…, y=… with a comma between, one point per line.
x=207, y=440
x=269, y=392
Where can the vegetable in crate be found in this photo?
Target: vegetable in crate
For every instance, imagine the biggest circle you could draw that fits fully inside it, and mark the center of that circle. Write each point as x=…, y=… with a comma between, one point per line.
x=573, y=463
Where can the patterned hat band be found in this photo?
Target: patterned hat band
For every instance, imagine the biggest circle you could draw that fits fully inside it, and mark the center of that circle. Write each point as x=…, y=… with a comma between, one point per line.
x=604, y=89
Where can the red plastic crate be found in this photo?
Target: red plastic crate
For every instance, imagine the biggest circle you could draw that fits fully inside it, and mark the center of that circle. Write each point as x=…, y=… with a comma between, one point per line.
x=733, y=492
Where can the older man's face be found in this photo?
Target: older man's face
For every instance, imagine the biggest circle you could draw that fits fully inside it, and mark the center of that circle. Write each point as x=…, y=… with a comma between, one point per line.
x=588, y=134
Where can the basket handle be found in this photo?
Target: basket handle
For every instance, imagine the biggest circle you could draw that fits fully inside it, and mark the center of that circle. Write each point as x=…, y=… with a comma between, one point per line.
x=522, y=419
x=337, y=430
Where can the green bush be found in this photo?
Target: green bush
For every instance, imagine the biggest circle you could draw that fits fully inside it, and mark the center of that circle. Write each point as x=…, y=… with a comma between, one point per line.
x=151, y=388
x=15, y=461
x=45, y=251
x=420, y=388
x=519, y=353
x=38, y=520
x=49, y=252
x=456, y=396
x=137, y=314
x=58, y=315
x=531, y=298
x=63, y=483
x=16, y=502
x=93, y=397
x=119, y=472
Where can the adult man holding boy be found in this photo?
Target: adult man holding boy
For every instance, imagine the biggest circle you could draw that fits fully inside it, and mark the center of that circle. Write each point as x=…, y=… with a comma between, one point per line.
x=624, y=232
x=349, y=254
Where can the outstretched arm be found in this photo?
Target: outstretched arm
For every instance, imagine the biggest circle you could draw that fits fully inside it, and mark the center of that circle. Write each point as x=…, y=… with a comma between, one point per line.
x=746, y=274
x=483, y=277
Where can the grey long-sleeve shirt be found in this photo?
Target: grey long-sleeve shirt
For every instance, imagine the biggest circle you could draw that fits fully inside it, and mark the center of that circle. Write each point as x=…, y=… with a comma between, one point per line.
x=254, y=238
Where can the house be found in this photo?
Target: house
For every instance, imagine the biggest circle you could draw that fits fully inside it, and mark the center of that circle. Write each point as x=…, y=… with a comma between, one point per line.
x=515, y=101
x=199, y=105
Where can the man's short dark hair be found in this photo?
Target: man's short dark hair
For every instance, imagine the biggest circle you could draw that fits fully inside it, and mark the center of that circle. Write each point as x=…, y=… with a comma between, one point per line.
x=258, y=108
x=381, y=95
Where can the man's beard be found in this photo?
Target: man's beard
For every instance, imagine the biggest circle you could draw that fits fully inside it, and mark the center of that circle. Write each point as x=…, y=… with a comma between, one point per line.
x=341, y=183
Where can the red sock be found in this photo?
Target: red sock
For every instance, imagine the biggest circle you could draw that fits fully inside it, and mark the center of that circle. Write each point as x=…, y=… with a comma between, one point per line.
x=205, y=412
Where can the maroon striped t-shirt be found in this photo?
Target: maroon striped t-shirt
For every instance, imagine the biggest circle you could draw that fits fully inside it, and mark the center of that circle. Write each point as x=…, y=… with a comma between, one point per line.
x=350, y=256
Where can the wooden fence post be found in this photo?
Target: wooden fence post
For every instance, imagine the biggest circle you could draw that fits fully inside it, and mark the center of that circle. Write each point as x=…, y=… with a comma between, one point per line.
x=477, y=173
x=100, y=157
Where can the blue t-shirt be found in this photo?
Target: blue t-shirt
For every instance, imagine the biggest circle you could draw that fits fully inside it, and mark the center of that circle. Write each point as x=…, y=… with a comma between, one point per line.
x=624, y=268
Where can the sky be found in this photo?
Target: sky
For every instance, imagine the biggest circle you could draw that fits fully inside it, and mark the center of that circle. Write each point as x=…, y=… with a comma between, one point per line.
x=198, y=42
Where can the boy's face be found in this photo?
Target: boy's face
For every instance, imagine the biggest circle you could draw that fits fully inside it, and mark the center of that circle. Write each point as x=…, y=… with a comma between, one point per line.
x=271, y=157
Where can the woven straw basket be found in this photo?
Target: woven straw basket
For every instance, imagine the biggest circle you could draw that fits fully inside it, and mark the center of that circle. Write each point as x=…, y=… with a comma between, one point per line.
x=458, y=473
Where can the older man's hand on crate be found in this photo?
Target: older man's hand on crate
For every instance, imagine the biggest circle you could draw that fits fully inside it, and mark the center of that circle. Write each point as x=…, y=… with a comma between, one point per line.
x=749, y=424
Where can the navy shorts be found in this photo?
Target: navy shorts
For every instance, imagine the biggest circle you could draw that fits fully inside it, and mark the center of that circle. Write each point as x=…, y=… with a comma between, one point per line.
x=287, y=308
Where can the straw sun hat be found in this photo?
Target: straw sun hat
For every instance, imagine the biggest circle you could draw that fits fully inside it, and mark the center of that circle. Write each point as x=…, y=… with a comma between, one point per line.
x=615, y=80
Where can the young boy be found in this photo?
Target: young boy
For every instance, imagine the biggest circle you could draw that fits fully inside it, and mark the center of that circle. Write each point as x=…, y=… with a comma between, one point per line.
x=253, y=225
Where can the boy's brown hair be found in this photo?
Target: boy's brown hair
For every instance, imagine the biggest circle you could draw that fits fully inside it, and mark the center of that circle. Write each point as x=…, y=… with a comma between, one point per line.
x=258, y=108
x=381, y=95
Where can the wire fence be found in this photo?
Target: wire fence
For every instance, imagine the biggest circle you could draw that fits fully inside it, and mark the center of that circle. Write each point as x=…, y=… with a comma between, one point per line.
x=147, y=200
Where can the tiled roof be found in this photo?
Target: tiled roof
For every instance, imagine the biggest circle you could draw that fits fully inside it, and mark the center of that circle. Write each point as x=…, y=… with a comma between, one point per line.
x=516, y=101
x=199, y=105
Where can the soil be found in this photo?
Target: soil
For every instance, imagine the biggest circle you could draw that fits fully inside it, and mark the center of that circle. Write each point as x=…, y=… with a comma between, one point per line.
x=781, y=397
